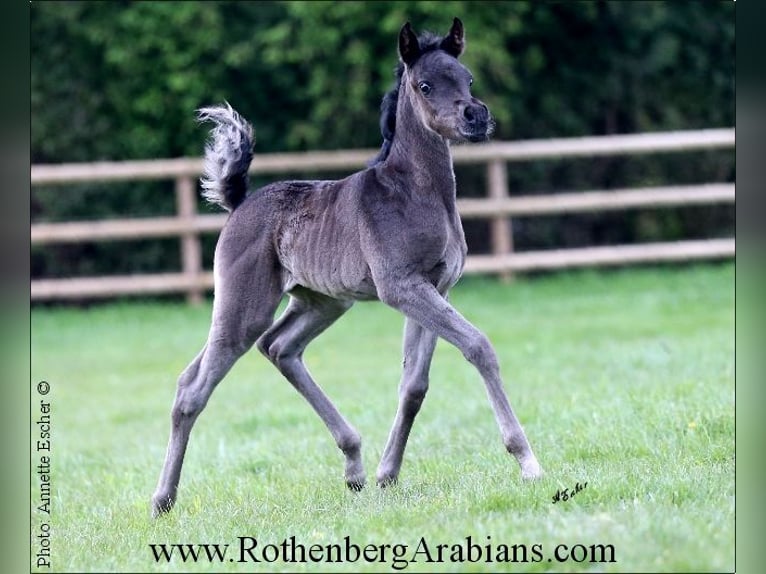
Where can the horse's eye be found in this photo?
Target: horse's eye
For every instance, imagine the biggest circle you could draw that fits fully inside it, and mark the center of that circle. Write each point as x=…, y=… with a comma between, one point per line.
x=425, y=88
x=470, y=82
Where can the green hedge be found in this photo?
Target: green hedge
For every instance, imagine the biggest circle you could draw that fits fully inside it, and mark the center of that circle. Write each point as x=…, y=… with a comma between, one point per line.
x=117, y=81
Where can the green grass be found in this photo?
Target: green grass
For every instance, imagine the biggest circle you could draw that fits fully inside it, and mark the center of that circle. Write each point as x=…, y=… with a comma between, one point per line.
x=623, y=379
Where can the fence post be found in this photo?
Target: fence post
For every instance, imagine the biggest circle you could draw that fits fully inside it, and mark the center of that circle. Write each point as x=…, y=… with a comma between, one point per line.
x=191, y=248
x=501, y=232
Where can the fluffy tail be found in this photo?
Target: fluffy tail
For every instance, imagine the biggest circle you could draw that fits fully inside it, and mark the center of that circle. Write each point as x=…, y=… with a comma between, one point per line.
x=228, y=154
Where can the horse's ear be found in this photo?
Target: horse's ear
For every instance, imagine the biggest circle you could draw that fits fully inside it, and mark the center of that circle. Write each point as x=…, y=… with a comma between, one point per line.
x=409, y=47
x=454, y=41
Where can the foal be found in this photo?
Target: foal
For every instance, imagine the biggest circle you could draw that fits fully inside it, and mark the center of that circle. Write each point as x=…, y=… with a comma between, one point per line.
x=390, y=232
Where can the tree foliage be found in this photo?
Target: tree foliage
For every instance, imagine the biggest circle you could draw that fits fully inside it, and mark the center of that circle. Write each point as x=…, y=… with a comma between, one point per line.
x=121, y=80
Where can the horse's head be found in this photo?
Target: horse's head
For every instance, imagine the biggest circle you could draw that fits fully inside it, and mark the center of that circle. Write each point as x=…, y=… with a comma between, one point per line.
x=440, y=87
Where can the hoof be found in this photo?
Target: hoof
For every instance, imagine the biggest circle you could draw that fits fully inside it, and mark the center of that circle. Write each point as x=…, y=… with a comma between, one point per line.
x=161, y=504
x=355, y=485
x=386, y=481
x=354, y=473
x=531, y=470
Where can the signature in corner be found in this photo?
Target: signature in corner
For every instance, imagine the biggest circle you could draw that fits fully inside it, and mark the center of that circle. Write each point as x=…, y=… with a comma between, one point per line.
x=567, y=493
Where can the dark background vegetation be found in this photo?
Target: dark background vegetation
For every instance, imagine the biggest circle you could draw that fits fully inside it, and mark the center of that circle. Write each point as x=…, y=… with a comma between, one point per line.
x=121, y=80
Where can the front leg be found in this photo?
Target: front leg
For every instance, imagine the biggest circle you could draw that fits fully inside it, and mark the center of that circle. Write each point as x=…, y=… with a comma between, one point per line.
x=419, y=345
x=421, y=302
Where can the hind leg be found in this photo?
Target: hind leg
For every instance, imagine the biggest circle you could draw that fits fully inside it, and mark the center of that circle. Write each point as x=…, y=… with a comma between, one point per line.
x=237, y=322
x=307, y=315
x=195, y=385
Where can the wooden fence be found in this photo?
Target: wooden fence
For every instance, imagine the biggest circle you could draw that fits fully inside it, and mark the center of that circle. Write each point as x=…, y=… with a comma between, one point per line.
x=498, y=207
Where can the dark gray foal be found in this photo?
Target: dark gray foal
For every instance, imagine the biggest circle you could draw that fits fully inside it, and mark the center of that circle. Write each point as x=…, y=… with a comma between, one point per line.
x=390, y=232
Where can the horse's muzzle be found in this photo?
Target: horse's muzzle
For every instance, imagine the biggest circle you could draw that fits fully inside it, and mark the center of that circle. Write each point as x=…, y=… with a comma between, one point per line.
x=477, y=124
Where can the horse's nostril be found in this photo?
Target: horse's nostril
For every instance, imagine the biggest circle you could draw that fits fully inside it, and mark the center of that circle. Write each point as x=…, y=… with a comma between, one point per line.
x=468, y=114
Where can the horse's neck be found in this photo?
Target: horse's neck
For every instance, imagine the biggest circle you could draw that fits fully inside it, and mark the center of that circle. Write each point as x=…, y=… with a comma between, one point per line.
x=419, y=154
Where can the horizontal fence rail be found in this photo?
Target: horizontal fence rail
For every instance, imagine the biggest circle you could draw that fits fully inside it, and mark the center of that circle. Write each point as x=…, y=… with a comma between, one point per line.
x=354, y=159
x=498, y=207
x=135, y=228
x=616, y=255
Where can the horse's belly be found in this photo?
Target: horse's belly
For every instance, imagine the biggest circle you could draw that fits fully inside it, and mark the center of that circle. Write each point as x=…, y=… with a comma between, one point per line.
x=334, y=271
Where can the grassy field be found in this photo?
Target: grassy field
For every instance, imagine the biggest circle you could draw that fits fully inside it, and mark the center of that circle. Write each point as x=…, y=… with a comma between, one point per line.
x=623, y=380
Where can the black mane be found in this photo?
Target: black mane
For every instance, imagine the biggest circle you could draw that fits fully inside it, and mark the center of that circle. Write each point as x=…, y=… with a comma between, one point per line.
x=428, y=42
